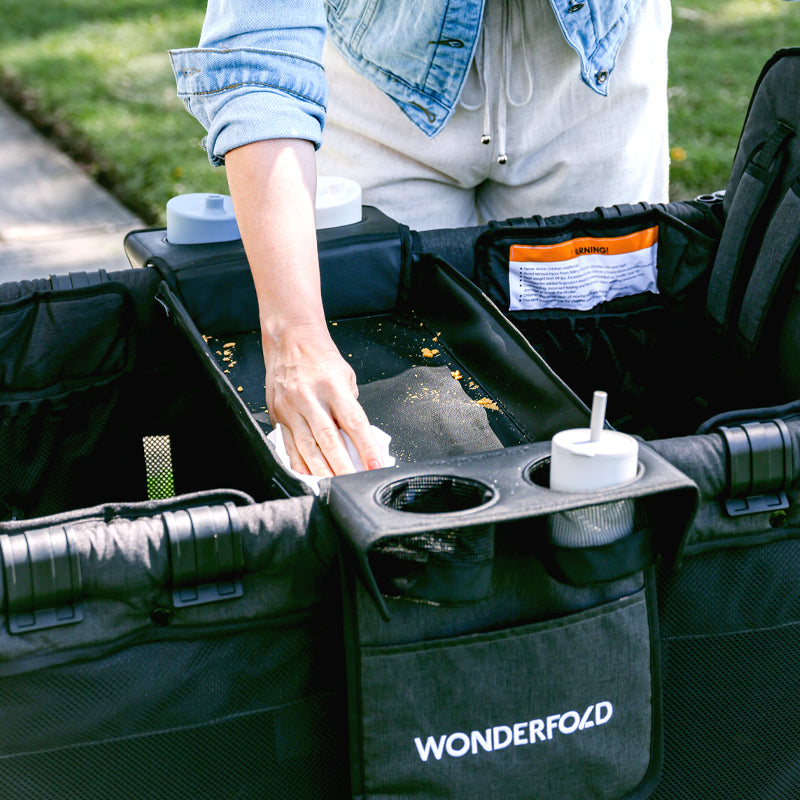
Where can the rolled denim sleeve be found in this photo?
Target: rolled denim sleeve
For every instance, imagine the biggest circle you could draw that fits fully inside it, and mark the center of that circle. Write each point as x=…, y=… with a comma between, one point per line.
x=256, y=73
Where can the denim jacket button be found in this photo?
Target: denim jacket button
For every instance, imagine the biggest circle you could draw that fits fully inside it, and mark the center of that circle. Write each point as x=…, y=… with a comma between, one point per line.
x=575, y=7
x=602, y=76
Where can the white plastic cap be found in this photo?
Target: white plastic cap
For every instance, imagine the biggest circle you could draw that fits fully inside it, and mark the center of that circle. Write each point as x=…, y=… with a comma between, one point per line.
x=201, y=219
x=584, y=459
x=338, y=202
x=578, y=464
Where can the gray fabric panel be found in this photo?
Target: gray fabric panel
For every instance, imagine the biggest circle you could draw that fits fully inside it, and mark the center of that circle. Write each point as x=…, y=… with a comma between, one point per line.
x=525, y=693
x=704, y=460
x=776, y=96
x=125, y=571
x=14, y=290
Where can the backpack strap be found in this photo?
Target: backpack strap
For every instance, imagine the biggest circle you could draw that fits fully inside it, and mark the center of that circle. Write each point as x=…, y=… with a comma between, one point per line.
x=779, y=247
x=758, y=179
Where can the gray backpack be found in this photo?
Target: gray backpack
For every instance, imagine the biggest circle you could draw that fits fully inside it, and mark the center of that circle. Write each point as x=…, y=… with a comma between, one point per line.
x=752, y=299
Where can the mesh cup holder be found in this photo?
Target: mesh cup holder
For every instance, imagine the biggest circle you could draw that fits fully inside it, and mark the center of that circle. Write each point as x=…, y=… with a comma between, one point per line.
x=435, y=494
x=444, y=565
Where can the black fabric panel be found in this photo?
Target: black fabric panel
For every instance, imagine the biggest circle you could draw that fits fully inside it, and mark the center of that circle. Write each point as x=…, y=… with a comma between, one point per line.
x=52, y=343
x=457, y=246
x=362, y=270
x=776, y=96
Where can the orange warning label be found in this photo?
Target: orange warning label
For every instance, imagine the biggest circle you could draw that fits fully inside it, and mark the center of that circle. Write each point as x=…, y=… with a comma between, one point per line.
x=586, y=245
x=582, y=272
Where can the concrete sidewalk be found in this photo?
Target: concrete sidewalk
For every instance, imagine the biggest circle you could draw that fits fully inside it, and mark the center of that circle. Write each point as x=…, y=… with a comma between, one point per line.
x=53, y=218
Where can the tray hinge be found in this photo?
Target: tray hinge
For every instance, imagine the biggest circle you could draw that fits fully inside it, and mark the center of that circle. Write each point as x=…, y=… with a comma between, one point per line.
x=760, y=463
x=42, y=578
x=205, y=547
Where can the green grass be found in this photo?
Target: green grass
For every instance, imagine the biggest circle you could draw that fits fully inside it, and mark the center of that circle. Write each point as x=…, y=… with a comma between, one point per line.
x=717, y=50
x=95, y=76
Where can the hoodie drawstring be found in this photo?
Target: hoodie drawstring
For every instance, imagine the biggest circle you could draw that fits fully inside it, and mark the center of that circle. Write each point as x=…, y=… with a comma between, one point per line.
x=485, y=69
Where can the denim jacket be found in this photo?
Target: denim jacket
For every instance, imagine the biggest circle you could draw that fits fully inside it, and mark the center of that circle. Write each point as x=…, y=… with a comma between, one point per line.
x=256, y=73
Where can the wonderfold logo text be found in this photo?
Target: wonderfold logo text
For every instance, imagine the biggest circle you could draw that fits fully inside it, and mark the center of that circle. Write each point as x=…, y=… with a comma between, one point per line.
x=498, y=737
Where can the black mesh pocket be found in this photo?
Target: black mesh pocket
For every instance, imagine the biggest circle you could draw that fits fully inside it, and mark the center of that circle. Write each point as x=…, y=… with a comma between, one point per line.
x=62, y=456
x=244, y=715
x=63, y=399
x=625, y=352
x=731, y=632
x=434, y=494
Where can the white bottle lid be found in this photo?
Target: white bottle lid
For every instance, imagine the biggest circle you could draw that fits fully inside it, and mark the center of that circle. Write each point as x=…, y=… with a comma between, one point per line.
x=206, y=218
x=338, y=202
x=586, y=459
x=201, y=219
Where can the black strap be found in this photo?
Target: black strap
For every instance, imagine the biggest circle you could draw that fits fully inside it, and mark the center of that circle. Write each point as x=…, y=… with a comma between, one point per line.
x=755, y=185
x=584, y=566
x=777, y=252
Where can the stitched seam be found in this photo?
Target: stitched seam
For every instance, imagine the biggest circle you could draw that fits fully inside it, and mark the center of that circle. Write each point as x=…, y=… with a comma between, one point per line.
x=363, y=23
x=257, y=51
x=275, y=86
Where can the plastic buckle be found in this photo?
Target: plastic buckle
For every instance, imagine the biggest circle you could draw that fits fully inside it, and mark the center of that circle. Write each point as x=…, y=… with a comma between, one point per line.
x=78, y=280
x=760, y=459
x=206, y=554
x=43, y=580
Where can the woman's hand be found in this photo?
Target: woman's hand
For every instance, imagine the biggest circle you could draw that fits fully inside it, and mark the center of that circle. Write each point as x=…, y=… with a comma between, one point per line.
x=311, y=390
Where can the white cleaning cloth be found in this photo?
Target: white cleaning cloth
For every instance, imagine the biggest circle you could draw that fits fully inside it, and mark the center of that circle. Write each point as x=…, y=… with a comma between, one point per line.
x=382, y=439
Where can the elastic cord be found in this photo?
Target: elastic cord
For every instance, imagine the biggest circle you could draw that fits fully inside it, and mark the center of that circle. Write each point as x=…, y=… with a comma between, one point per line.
x=485, y=68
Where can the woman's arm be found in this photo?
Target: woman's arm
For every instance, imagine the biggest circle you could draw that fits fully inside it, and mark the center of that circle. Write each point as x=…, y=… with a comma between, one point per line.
x=310, y=388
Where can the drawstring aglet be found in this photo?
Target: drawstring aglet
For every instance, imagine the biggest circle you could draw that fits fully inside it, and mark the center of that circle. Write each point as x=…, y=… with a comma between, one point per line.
x=486, y=139
x=502, y=159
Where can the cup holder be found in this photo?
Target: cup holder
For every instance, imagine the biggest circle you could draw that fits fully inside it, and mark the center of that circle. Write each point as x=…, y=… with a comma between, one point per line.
x=435, y=494
x=538, y=473
x=445, y=565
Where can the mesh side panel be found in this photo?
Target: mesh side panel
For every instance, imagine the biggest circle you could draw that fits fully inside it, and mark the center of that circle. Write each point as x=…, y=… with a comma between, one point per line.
x=57, y=459
x=731, y=628
x=158, y=465
x=247, y=715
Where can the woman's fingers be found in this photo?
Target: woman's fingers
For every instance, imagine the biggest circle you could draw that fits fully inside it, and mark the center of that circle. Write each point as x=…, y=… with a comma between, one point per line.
x=311, y=391
x=353, y=421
